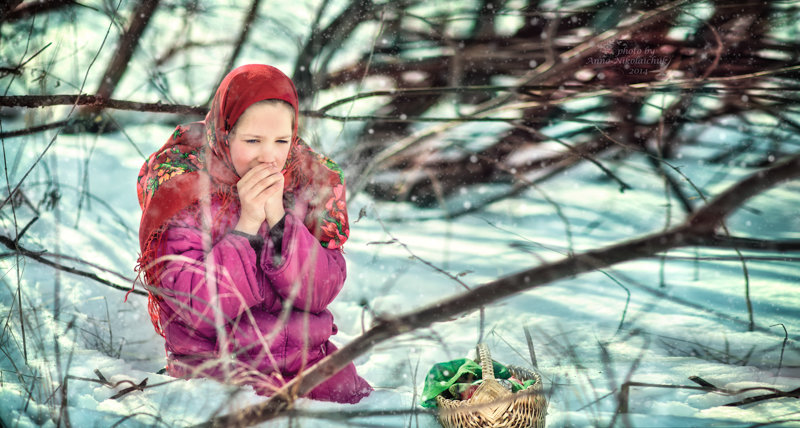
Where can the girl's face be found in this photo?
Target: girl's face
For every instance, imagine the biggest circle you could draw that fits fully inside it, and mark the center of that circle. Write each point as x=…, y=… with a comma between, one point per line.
x=263, y=134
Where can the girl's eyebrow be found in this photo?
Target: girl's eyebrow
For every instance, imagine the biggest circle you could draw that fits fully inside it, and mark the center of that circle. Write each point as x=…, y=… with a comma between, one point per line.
x=282, y=137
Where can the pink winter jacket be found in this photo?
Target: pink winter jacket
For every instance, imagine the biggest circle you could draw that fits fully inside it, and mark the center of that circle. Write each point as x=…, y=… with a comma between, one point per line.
x=240, y=316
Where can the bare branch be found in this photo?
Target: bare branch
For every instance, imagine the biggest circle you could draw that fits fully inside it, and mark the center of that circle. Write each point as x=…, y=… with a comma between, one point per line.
x=19, y=10
x=706, y=219
x=697, y=230
x=245, y=30
x=140, y=17
x=99, y=102
x=334, y=34
x=38, y=256
x=722, y=241
x=34, y=129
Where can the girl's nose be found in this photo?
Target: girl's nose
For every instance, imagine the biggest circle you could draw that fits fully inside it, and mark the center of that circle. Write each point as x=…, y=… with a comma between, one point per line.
x=265, y=155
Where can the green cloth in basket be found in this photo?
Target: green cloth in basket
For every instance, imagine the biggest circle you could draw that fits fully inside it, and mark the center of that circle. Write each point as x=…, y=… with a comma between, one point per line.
x=463, y=370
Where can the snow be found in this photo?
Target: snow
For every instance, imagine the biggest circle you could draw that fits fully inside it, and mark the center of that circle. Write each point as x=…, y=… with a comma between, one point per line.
x=591, y=333
x=583, y=353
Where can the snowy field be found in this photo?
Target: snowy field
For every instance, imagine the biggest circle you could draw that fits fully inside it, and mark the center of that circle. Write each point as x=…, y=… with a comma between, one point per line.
x=658, y=320
x=588, y=337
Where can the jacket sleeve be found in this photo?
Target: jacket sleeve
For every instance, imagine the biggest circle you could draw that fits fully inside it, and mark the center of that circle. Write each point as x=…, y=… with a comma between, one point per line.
x=308, y=275
x=194, y=283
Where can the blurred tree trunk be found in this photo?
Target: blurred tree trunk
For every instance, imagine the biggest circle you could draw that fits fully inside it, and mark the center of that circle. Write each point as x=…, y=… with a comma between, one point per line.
x=238, y=45
x=89, y=117
x=357, y=12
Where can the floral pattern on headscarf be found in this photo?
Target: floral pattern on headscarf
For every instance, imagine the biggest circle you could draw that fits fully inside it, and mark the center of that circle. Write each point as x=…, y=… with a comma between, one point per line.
x=166, y=164
x=320, y=182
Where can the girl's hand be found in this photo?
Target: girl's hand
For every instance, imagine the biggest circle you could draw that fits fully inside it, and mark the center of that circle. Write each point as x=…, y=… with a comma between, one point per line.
x=256, y=188
x=273, y=206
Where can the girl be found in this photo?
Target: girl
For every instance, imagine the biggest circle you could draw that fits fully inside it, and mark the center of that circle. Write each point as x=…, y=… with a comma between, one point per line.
x=241, y=235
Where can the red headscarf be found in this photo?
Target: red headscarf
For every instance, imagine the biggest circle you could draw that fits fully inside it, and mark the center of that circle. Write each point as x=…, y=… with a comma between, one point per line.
x=195, y=163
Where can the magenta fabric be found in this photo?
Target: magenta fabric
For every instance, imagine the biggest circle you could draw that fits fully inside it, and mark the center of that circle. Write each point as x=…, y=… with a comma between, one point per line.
x=250, y=321
x=195, y=162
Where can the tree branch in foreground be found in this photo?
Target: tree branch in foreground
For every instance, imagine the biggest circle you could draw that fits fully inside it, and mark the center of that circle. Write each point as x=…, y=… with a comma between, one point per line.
x=696, y=230
x=98, y=102
x=14, y=246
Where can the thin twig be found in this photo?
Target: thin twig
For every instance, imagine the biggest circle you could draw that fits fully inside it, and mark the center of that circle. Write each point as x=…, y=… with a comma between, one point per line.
x=696, y=229
x=244, y=30
x=8, y=242
x=531, y=349
x=74, y=106
x=783, y=347
x=35, y=129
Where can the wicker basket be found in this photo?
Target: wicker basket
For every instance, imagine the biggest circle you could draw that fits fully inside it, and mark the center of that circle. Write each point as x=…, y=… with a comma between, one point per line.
x=492, y=405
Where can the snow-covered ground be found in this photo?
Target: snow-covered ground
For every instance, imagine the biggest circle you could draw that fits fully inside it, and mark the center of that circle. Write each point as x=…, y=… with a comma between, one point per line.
x=588, y=338
x=655, y=321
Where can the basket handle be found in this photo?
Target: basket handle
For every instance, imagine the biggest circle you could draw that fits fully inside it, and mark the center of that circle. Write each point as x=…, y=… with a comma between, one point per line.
x=485, y=359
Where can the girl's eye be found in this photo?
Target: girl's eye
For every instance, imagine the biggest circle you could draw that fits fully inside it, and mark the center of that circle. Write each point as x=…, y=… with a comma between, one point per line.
x=251, y=141
x=283, y=141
